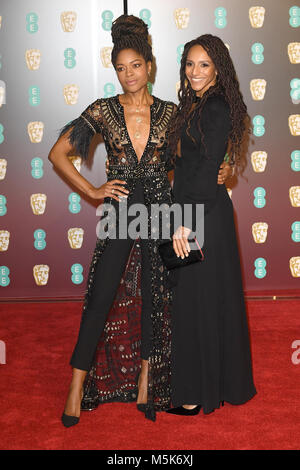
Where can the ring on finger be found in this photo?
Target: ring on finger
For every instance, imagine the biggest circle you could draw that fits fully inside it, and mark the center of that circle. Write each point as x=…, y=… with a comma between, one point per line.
x=112, y=190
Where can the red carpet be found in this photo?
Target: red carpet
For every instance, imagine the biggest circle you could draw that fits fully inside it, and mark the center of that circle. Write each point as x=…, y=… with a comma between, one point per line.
x=39, y=339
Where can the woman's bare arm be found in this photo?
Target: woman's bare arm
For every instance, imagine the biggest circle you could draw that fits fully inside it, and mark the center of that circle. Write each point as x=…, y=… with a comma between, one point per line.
x=58, y=156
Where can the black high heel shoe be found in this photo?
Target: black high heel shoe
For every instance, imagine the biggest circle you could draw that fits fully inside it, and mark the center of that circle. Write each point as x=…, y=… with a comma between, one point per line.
x=180, y=410
x=140, y=406
x=69, y=420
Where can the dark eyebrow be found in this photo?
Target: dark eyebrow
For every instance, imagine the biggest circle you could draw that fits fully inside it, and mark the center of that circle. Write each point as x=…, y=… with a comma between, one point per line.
x=130, y=62
x=201, y=61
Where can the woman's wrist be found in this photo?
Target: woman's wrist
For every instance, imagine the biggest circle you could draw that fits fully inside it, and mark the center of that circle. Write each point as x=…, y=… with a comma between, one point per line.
x=91, y=192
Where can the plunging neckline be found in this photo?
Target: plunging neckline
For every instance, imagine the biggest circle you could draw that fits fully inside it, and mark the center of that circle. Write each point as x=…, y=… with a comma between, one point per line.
x=121, y=107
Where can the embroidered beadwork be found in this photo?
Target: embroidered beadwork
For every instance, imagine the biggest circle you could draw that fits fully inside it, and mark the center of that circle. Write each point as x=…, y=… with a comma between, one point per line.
x=112, y=376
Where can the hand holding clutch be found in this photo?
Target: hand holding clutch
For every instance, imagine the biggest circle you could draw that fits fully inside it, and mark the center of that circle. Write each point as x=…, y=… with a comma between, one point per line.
x=170, y=258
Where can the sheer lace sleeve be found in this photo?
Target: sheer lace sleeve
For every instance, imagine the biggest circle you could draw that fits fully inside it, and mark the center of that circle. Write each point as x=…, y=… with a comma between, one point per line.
x=83, y=128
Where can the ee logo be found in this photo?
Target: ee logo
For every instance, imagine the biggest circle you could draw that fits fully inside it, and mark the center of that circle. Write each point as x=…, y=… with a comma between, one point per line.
x=1, y=134
x=32, y=22
x=296, y=231
x=69, y=55
x=107, y=17
x=145, y=15
x=258, y=125
x=109, y=90
x=295, y=90
x=294, y=17
x=295, y=163
x=260, y=268
x=259, y=197
x=4, y=276
x=257, y=53
x=179, y=52
x=76, y=271
x=37, y=168
x=220, y=20
x=34, y=95
x=39, y=239
x=3, y=208
x=74, y=200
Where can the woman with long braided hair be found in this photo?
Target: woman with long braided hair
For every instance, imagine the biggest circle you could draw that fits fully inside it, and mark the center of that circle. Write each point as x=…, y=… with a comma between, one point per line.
x=211, y=360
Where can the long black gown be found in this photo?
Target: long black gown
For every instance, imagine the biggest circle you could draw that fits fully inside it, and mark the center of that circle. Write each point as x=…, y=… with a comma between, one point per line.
x=211, y=359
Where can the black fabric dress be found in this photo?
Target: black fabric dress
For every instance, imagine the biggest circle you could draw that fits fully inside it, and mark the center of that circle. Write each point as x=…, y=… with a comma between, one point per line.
x=211, y=359
x=127, y=304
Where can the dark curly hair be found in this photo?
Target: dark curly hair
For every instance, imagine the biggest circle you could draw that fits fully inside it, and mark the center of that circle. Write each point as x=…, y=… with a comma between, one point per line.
x=226, y=83
x=130, y=32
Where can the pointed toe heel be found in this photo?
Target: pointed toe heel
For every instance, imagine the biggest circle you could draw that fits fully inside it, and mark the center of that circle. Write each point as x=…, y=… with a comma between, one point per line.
x=141, y=407
x=69, y=421
x=180, y=410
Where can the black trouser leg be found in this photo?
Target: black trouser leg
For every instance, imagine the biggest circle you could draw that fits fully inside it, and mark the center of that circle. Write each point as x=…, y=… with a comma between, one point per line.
x=109, y=271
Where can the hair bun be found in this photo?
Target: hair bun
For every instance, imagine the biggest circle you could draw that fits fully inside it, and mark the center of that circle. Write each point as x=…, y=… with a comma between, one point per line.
x=128, y=25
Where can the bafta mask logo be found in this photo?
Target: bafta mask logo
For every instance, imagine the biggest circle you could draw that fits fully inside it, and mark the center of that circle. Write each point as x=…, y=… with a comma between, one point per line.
x=2, y=93
x=71, y=93
x=294, y=52
x=75, y=237
x=35, y=131
x=33, y=59
x=259, y=161
x=182, y=17
x=295, y=266
x=3, y=166
x=294, y=124
x=38, y=203
x=257, y=16
x=294, y=193
x=4, y=240
x=260, y=232
x=258, y=88
x=105, y=54
x=76, y=161
x=68, y=21
x=41, y=274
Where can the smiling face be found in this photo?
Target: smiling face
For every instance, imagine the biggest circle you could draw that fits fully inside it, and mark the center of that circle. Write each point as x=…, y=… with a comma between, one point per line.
x=132, y=70
x=200, y=70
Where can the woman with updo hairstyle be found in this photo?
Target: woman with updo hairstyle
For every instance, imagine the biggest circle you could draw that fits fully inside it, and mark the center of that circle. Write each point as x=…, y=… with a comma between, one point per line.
x=123, y=348
x=211, y=360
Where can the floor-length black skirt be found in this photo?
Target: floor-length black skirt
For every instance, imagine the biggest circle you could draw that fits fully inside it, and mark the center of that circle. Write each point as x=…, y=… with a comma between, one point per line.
x=211, y=359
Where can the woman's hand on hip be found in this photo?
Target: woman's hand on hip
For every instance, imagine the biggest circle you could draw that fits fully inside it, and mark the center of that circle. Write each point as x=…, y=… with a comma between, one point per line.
x=180, y=241
x=113, y=189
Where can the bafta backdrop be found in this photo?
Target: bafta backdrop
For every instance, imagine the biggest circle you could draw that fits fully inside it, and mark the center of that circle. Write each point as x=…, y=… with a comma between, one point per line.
x=55, y=60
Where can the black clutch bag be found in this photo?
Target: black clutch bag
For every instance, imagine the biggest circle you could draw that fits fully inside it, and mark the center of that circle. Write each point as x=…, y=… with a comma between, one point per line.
x=171, y=260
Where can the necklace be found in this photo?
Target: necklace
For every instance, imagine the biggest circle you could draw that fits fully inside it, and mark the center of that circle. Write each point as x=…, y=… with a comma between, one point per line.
x=139, y=121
